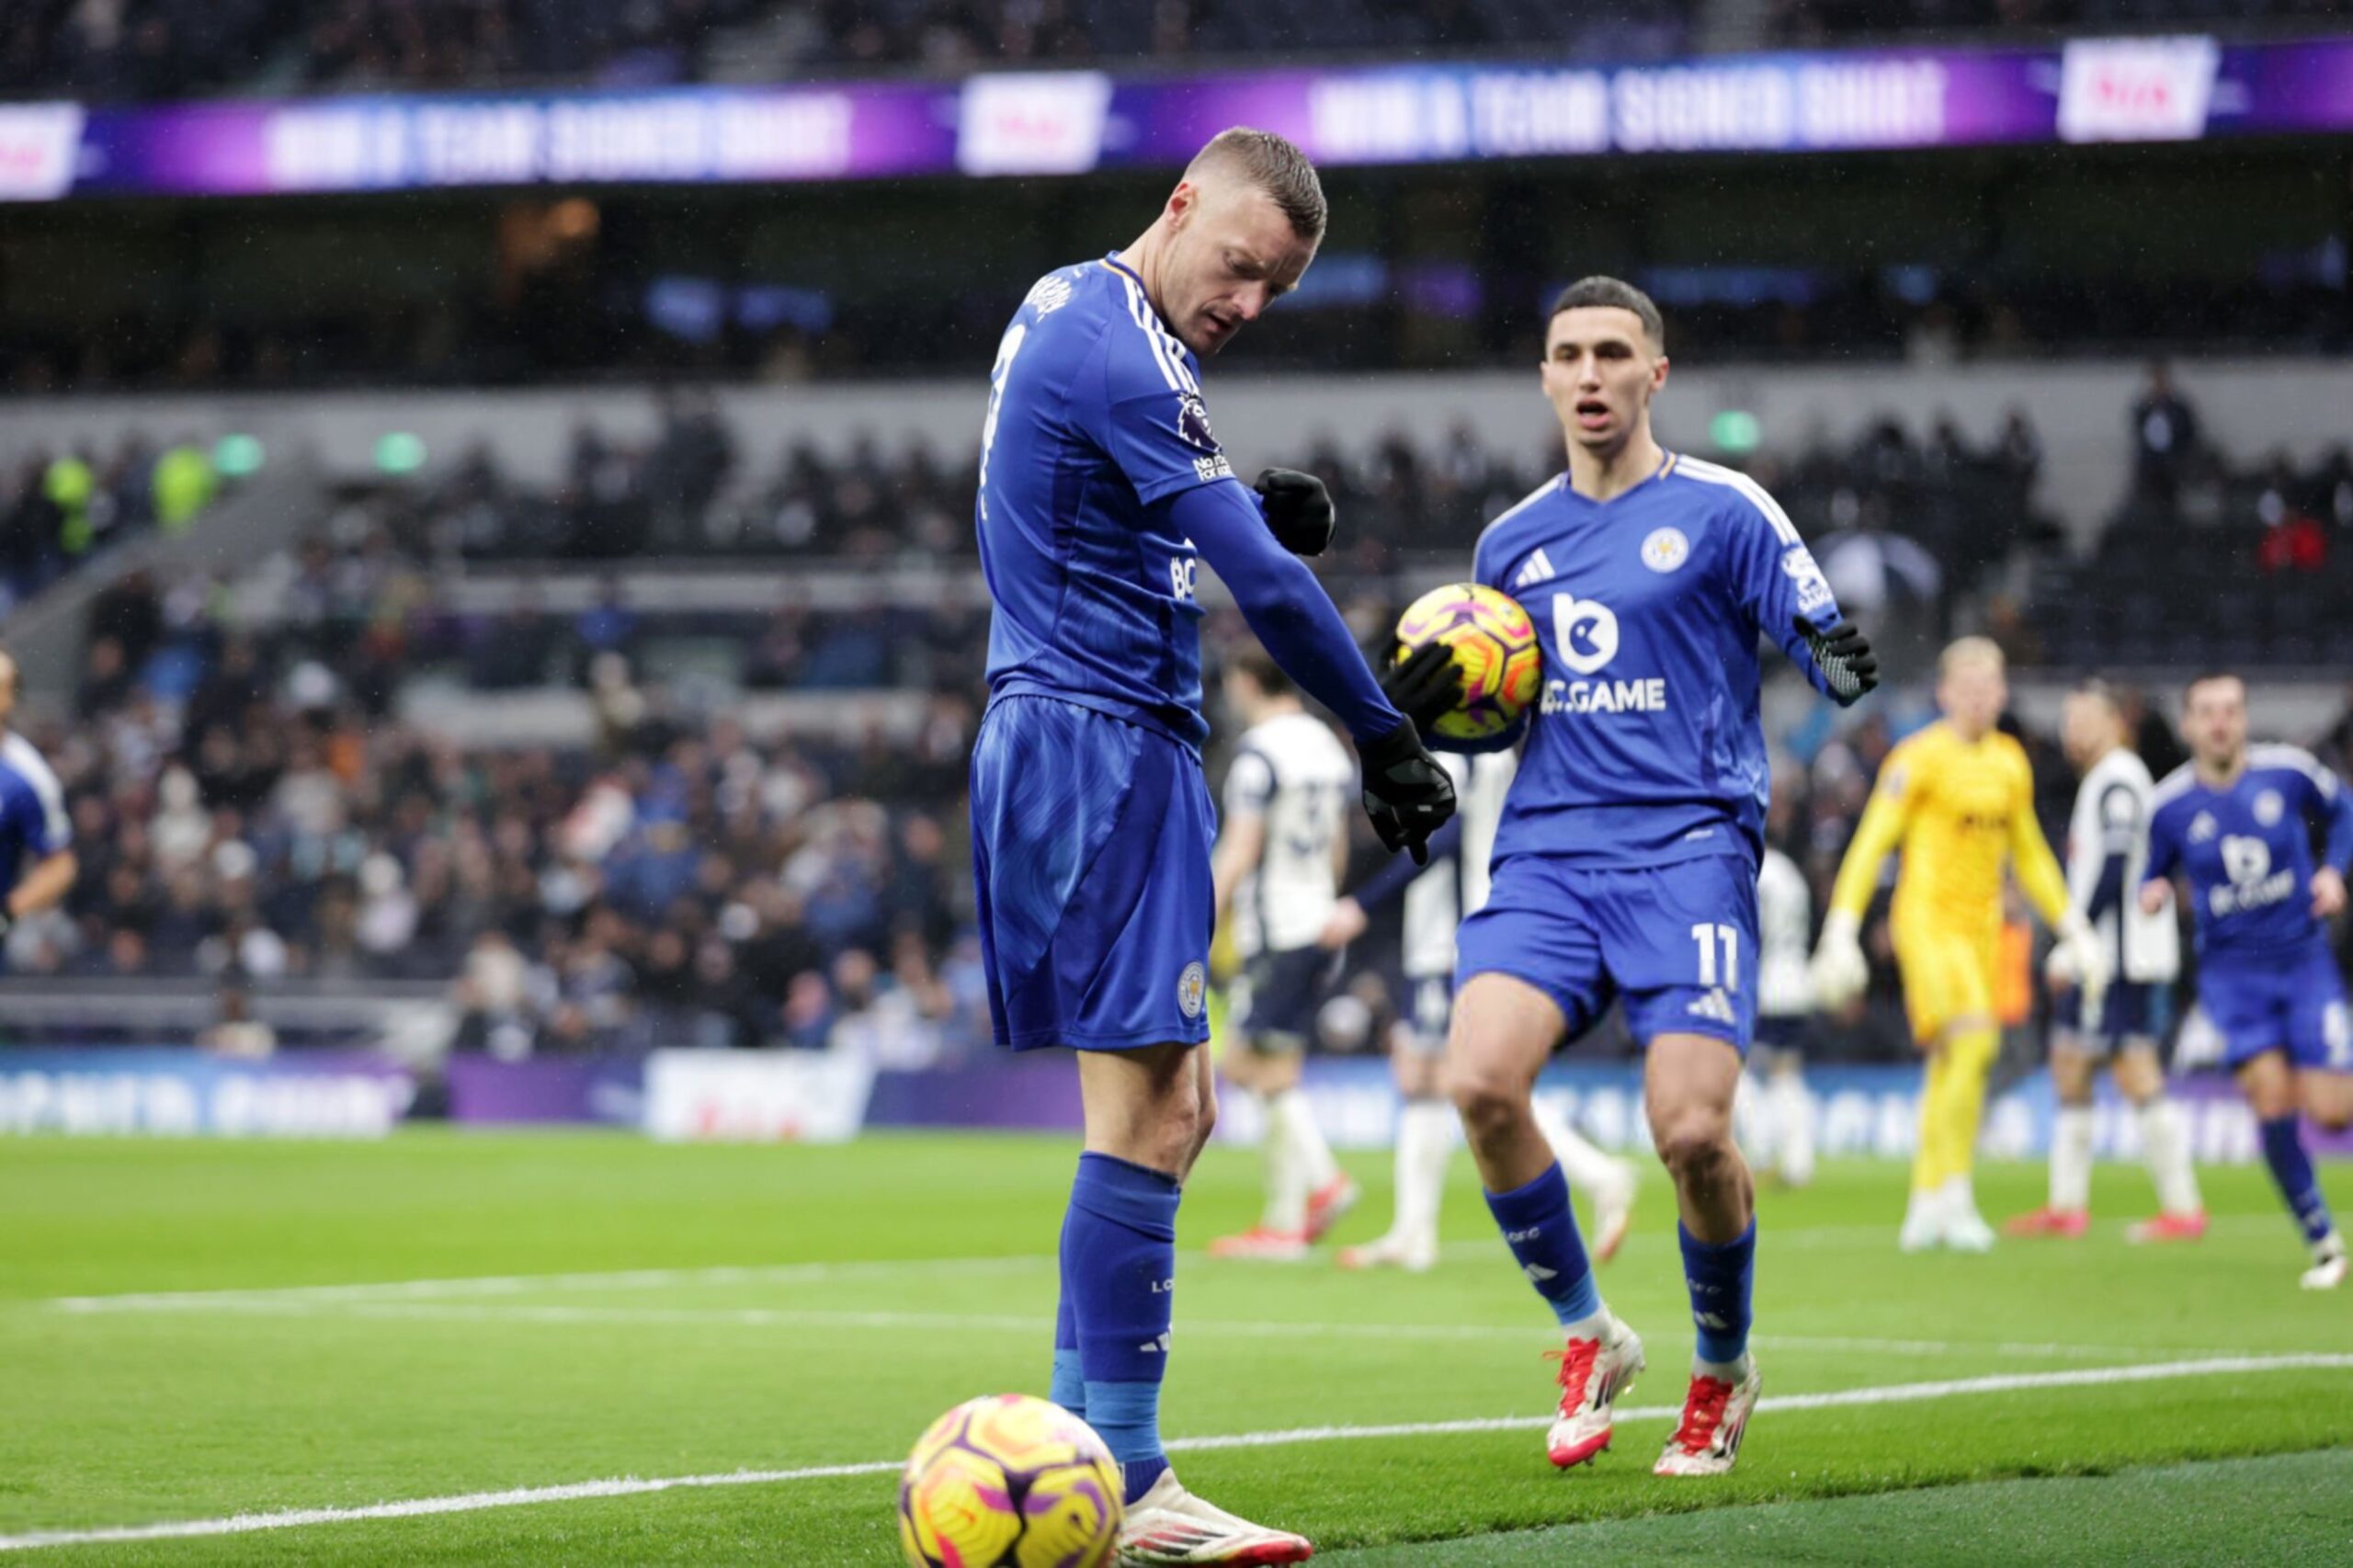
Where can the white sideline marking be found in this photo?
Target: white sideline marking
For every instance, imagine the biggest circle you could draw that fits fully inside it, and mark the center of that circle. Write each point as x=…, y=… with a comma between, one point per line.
x=802, y=1273
x=819, y=1317
x=471, y=1502
x=517, y=1284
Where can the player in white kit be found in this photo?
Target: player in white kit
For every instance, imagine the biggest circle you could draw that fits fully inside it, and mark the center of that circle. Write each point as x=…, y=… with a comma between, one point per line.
x=1437, y=901
x=2108, y=856
x=1781, y=1118
x=1280, y=853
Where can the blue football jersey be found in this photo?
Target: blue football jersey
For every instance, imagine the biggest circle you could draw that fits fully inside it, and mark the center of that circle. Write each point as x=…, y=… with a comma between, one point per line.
x=1094, y=414
x=2247, y=849
x=33, y=825
x=1645, y=746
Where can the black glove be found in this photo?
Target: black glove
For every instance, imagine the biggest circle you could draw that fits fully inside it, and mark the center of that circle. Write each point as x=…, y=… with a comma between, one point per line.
x=1846, y=660
x=1407, y=793
x=1298, y=508
x=1426, y=686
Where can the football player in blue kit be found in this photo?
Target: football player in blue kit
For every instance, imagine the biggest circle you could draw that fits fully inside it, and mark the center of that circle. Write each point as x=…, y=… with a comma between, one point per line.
x=1625, y=864
x=37, y=862
x=1102, y=487
x=2237, y=820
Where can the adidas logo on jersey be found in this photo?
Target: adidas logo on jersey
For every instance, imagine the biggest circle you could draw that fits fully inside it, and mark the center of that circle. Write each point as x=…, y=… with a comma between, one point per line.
x=1715, y=1005
x=1537, y=1273
x=1537, y=570
x=1158, y=1346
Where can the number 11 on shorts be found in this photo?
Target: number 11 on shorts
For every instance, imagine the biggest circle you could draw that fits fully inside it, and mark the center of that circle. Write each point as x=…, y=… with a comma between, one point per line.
x=1709, y=937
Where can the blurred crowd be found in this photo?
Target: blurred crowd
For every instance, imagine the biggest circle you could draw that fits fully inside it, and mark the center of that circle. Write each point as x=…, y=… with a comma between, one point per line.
x=250, y=806
x=62, y=511
x=169, y=49
x=1807, y=21
x=591, y=320
x=684, y=884
x=2211, y=558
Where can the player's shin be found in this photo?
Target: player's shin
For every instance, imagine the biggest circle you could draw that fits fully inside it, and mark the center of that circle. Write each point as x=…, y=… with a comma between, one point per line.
x=2164, y=1142
x=1541, y=1230
x=1068, y=1388
x=1424, y=1143
x=2292, y=1171
x=1720, y=1280
x=1792, y=1127
x=2071, y=1160
x=1120, y=1254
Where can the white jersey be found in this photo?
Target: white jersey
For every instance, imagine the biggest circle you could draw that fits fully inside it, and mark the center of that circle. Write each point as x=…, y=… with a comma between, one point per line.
x=1455, y=886
x=2111, y=822
x=1784, y=935
x=1293, y=772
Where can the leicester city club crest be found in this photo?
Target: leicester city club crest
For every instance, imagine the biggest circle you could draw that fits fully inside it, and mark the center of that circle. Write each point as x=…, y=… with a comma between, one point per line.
x=1189, y=986
x=1665, y=550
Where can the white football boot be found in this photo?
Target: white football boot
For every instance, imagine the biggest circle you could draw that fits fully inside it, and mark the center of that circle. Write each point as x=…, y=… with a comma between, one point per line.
x=1170, y=1524
x=1966, y=1229
x=1415, y=1255
x=1715, y=1418
x=1593, y=1372
x=1924, y=1222
x=2327, y=1271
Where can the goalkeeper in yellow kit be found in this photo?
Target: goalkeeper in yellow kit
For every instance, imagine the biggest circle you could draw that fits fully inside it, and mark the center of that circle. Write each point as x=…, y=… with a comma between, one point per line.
x=1957, y=798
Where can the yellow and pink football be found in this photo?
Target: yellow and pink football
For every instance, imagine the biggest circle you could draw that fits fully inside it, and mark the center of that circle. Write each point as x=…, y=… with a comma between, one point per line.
x=1008, y=1481
x=1496, y=655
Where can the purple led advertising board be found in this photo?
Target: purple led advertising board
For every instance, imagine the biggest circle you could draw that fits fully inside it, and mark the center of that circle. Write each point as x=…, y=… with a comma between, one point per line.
x=2149, y=89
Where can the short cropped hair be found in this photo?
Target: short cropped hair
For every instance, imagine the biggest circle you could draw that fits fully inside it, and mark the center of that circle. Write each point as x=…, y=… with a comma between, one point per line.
x=2101, y=690
x=1971, y=650
x=2208, y=677
x=1613, y=293
x=1275, y=166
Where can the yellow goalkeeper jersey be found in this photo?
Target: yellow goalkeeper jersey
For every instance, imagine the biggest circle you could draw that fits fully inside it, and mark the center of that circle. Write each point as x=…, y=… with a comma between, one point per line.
x=1958, y=811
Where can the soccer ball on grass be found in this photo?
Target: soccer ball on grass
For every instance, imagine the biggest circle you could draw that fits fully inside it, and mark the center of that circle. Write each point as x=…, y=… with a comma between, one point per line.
x=1006, y=1481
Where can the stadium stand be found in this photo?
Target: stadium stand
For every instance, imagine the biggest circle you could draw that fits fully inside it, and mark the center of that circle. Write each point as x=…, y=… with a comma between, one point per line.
x=163, y=49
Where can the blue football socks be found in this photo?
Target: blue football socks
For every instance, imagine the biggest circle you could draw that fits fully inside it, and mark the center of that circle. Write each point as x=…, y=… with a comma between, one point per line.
x=1541, y=1230
x=1719, y=1278
x=2291, y=1169
x=1068, y=1388
x=1119, y=1262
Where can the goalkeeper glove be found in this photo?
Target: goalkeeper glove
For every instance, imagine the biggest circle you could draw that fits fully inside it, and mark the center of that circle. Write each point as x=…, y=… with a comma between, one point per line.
x=1407, y=793
x=1844, y=657
x=1426, y=686
x=2078, y=958
x=1298, y=510
x=1839, y=971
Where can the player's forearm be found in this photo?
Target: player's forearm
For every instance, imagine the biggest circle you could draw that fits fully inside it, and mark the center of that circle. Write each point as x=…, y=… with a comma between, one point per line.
x=1286, y=607
x=2338, y=850
x=1858, y=872
x=2038, y=871
x=1398, y=872
x=48, y=884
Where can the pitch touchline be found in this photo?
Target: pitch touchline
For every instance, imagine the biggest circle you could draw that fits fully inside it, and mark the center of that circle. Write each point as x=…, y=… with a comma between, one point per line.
x=627, y=1486
x=819, y=1317
x=796, y=1273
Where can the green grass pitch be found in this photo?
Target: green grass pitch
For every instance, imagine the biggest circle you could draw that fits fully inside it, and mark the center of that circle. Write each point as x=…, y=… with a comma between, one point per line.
x=539, y=1311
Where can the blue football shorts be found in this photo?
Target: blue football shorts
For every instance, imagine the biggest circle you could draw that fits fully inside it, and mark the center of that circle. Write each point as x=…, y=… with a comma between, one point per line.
x=2131, y=1010
x=1676, y=942
x=1091, y=866
x=2293, y=1003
